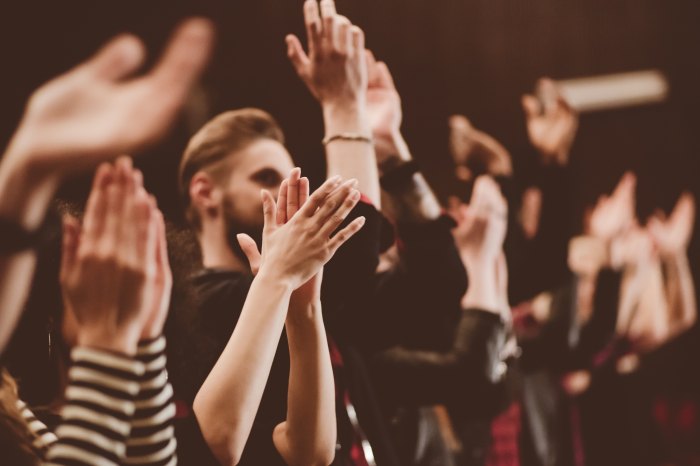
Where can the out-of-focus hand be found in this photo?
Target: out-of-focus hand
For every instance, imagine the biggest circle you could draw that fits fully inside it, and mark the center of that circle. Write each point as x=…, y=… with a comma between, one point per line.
x=614, y=215
x=98, y=110
x=335, y=68
x=551, y=122
x=384, y=109
x=587, y=255
x=672, y=236
x=109, y=265
x=296, y=248
x=475, y=151
x=482, y=224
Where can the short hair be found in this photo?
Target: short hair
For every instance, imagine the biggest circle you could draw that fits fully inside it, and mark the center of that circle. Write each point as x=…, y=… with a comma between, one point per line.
x=211, y=147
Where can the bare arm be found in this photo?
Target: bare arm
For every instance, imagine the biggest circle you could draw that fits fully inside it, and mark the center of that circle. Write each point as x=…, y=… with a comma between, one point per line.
x=308, y=435
x=228, y=401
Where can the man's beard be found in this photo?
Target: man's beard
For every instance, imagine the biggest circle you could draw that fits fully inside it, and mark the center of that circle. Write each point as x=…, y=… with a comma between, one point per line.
x=235, y=227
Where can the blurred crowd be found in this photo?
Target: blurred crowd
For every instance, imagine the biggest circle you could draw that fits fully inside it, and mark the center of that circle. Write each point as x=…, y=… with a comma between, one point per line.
x=362, y=323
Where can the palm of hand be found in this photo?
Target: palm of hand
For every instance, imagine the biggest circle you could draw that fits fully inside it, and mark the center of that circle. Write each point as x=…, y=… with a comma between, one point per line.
x=80, y=117
x=384, y=110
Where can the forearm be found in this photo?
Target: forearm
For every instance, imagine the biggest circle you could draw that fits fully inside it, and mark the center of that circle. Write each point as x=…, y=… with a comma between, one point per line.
x=483, y=291
x=24, y=200
x=352, y=159
x=308, y=435
x=227, y=403
x=412, y=200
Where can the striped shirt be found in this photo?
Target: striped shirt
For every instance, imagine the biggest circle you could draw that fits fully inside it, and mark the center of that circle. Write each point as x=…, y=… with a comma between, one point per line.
x=118, y=410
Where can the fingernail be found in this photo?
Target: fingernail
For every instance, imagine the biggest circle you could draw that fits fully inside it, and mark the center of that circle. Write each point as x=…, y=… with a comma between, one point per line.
x=355, y=195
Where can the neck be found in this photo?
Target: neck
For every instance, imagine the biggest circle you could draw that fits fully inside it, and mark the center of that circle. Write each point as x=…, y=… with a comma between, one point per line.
x=216, y=252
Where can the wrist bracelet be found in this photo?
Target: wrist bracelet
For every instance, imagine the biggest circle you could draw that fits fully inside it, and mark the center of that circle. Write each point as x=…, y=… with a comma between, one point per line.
x=15, y=238
x=398, y=176
x=353, y=137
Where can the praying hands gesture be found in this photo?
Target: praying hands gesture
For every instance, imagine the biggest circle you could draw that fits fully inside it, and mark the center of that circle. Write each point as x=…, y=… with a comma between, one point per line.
x=115, y=275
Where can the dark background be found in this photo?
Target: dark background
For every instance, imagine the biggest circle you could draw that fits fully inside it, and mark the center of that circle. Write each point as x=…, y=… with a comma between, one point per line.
x=474, y=57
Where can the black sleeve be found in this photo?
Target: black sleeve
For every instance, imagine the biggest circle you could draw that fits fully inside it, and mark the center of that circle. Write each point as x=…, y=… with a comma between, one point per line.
x=465, y=377
x=349, y=277
x=417, y=304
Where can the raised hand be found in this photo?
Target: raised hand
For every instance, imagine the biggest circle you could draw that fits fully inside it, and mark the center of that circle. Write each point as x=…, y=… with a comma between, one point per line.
x=551, y=122
x=98, y=110
x=296, y=248
x=672, y=236
x=109, y=265
x=615, y=214
x=483, y=223
x=334, y=70
x=471, y=148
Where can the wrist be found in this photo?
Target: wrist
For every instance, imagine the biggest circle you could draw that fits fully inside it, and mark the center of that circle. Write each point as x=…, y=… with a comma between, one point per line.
x=390, y=146
x=123, y=341
x=276, y=280
x=348, y=117
x=25, y=191
x=304, y=312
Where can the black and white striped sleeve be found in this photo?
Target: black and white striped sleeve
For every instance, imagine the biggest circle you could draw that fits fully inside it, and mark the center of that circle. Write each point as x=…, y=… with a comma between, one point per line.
x=100, y=403
x=152, y=441
x=43, y=437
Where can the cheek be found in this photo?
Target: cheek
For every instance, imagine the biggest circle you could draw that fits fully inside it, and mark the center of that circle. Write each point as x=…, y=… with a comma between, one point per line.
x=246, y=205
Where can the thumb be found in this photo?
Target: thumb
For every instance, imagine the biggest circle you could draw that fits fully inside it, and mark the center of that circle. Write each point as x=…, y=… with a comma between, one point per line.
x=296, y=55
x=250, y=249
x=121, y=57
x=531, y=106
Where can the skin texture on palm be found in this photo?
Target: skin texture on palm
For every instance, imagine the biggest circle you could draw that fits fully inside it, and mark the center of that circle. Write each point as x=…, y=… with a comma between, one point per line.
x=335, y=72
x=294, y=250
x=88, y=115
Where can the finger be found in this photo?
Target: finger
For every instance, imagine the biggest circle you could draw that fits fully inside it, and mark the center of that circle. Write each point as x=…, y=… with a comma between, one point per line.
x=303, y=191
x=384, y=76
x=138, y=241
x=329, y=19
x=358, y=38
x=320, y=195
x=312, y=20
x=346, y=233
x=338, y=217
x=269, y=209
x=250, y=249
x=118, y=59
x=343, y=38
x=332, y=203
x=138, y=179
x=531, y=106
x=71, y=238
x=114, y=222
x=372, y=72
x=282, y=200
x=96, y=209
x=297, y=56
x=292, y=205
x=184, y=59
x=125, y=173
x=162, y=258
